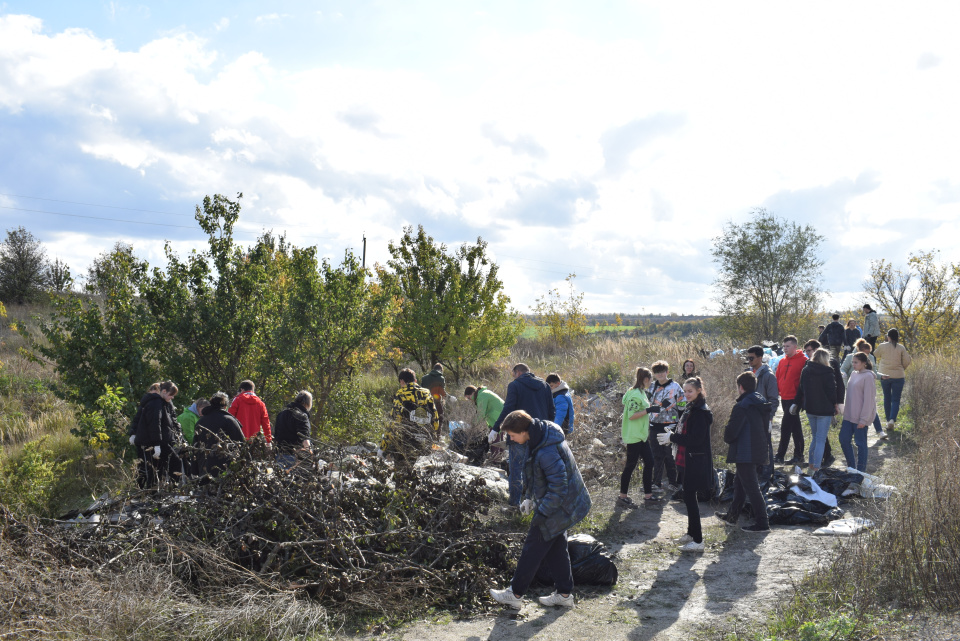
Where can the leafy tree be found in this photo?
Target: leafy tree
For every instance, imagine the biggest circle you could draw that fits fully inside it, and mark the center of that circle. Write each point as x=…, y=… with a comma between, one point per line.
x=769, y=281
x=331, y=322
x=213, y=309
x=105, y=338
x=59, y=278
x=562, y=320
x=922, y=299
x=23, y=267
x=451, y=305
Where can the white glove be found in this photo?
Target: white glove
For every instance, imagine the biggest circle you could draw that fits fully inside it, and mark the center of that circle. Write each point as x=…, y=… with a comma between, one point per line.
x=492, y=436
x=156, y=451
x=451, y=398
x=663, y=438
x=527, y=506
x=133, y=440
x=794, y=410
x=269, y=445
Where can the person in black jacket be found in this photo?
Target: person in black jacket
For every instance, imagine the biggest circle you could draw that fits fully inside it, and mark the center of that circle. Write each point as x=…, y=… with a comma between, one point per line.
x=157, y=436
x=809, y=348
x=850, y=337
x=142, y=467
x=291, y=430
x=693, y=437
x=531, y=394
x=817, y=396
x=832, y=336
x=746, y=433
x=215, y=430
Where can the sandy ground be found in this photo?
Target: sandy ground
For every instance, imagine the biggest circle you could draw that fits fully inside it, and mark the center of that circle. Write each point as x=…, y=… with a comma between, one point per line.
x=663, y=593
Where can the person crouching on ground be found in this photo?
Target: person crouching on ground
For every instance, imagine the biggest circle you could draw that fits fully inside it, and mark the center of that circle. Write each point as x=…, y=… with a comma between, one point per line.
x=556, y=495
x=746, y=433
x=694, y=438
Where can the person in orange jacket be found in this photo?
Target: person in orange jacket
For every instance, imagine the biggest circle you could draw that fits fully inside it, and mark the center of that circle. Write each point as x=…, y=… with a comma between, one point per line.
x=788, y=382
x=251, y=412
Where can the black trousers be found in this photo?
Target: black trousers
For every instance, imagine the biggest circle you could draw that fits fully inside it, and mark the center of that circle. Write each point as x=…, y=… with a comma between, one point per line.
x=790, y=426
x=693, y=514
x=154, y=472
x=636, y=451
x=662, y=455
x=746, y=486
x=553, y=555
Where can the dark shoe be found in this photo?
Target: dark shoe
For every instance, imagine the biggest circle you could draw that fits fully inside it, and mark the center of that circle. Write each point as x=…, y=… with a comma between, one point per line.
x=756, y=529
x=828, y=460
x=626, y=501
x=727, y=519
x=778, y=460
x=652, y=502
x=797, y=461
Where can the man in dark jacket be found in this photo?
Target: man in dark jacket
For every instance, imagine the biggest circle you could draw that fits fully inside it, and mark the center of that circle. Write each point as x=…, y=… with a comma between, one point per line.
x=436, y=384
x=833, y=335
x=746, y=433
x=767, y=388
x=214, y=432
x=532, y=395
x=291, y=430
x=559, y=500
x=157, y=436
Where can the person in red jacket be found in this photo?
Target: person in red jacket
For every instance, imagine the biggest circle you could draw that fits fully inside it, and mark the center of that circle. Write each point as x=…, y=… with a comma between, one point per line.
x=788, y=382
x=251, y=412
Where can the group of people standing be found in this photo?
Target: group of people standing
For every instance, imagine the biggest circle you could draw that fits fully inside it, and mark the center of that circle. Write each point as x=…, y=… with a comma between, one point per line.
x=172, y=447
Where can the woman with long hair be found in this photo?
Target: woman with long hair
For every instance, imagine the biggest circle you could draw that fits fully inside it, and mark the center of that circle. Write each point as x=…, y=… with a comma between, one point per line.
x=693, y=435
x=635, y=427
x=862, y=346
x=859, y=410
x=895, y=360
x=850, y=336
x=818, y=397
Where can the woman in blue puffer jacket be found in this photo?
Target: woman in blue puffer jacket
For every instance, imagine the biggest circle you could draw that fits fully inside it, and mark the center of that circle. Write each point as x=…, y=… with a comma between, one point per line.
x=555, y=493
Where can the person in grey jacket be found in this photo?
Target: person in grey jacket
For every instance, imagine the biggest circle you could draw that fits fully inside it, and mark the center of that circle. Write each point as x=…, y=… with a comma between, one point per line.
x=556, y=495
x=871, y=326
x=767, y=388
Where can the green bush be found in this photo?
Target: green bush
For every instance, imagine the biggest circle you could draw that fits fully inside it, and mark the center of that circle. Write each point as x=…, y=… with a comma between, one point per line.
x=352, y=415
x=29, y=480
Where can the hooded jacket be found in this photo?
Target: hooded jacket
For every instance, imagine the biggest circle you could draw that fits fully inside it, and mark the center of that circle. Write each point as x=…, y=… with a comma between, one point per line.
x=554, y=480
x=861, y=405
x=215, y=427
x=767, y=388
x=489, y=405
x=746, y=431
x=188, y=420
x=788, y=374
x=832, y=334
x=563, y=402
x=292, y=427
x=634, y=431
x=694, y=436
x=435, y=383
x=252, y=414
x=530, y=394
x=818, y=389
x=132, y=428
x=157, y=425
x=871, y=324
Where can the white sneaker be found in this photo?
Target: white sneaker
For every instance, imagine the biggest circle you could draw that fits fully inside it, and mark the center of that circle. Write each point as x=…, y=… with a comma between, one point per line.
x=890, y=425
x=882, y=435
x=558, y=599
x=692, y=546
x=686, y=538
x=508, y=598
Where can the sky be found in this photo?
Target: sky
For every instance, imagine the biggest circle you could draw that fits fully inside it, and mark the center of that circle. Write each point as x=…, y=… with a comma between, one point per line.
x=613, y=140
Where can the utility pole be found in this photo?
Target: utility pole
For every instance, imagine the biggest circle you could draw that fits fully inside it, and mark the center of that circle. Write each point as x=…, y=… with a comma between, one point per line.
x=364, y=262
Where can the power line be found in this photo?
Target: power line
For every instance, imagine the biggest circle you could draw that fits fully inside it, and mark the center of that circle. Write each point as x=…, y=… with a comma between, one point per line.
x=73, y=202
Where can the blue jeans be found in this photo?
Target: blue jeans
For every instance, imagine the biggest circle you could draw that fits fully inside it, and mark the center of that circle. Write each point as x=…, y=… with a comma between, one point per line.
x=553, y=555
x=849, y=430
x=876, y=423
x=892, y=389
x=819, y=428
x=518, y=456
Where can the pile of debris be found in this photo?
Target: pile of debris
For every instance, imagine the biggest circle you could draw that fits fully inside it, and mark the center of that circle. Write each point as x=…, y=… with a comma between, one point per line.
x=344, y=527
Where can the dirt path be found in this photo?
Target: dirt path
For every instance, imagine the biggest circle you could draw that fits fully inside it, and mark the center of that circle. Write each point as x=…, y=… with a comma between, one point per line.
x=663, y=594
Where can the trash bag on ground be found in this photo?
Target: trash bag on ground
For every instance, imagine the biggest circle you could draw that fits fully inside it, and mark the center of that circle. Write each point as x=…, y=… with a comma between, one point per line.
x=590, y=562
x=836, y=481
x=464, y=441
x=844, y=527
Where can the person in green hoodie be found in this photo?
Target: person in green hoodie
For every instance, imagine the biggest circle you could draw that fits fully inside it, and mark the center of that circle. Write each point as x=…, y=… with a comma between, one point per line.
x=189, y=417
x=488, y=403
x=635, y=428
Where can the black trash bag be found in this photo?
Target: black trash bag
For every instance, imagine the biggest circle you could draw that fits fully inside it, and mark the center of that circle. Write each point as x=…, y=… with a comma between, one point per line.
x=719, y=483
x=590, y=562
x=727, y=493
x=474, y=449
x=798, y=513
x=836, y=481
